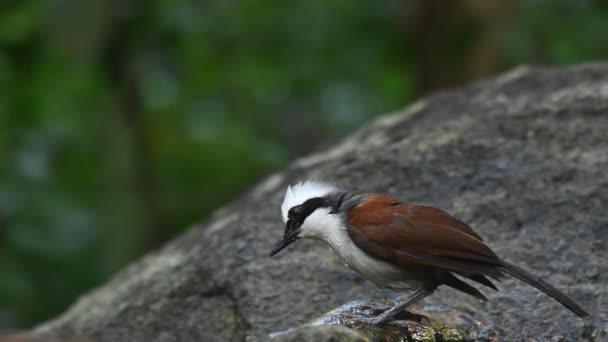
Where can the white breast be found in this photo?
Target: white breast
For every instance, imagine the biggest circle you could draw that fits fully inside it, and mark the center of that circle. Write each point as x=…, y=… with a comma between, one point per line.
x=329, y=228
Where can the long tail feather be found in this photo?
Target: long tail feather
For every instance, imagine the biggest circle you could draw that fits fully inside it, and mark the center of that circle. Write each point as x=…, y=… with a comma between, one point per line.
x=525, y=276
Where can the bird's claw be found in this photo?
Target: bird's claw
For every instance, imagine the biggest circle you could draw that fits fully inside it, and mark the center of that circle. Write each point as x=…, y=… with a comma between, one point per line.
x=403, y=318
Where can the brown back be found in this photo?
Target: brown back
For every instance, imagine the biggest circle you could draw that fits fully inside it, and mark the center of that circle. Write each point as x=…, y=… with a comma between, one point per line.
x=413, y=235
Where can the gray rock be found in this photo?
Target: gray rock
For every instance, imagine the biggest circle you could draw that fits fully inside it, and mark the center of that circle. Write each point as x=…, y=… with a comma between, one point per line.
x=523, y=158
x=324, y=333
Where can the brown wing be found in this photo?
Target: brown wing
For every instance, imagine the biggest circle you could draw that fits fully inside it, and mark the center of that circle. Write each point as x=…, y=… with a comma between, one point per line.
x=431, y=215
x=410, y=236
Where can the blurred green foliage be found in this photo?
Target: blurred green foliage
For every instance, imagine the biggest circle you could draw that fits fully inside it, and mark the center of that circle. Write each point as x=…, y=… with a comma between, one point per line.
x=123, y=122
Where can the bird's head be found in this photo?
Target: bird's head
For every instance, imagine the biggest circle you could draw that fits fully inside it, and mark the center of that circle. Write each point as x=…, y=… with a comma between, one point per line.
x=310, y=209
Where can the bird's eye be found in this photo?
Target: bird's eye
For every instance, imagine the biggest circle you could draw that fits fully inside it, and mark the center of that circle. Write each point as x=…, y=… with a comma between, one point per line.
x=294, y=211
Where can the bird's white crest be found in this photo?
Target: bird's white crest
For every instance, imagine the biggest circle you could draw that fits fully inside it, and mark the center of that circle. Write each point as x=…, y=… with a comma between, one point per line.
x=300, y=192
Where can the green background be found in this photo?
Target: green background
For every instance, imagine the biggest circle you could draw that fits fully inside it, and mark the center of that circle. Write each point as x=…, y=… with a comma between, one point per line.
x=124, y=122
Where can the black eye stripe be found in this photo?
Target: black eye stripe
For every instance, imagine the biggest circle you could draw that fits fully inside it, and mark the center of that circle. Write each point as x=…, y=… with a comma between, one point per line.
x=299, y=213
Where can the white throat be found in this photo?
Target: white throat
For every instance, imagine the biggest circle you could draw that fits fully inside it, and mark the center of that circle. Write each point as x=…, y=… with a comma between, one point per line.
x=331, y=229
x=321, y=225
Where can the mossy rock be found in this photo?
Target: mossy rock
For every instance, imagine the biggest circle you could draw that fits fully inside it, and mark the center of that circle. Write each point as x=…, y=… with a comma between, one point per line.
x=419, y=326
x=324, y=333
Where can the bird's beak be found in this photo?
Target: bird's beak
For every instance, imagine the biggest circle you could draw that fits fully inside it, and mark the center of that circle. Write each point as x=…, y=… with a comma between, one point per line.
x=290, y=236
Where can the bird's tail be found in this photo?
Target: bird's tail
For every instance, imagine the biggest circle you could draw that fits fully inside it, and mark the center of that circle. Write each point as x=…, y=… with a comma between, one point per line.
x=540, y=284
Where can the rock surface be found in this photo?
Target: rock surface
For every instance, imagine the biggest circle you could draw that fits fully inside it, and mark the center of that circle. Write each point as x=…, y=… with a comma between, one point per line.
x=325, y=333
x=523, y=158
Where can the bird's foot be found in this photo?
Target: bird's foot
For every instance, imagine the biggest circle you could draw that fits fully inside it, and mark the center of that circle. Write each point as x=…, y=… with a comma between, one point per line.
x=363, y=320
x=374, y=309
x=384, y=315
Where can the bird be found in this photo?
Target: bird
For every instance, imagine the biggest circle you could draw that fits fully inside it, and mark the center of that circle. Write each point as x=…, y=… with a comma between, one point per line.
x=403, y=247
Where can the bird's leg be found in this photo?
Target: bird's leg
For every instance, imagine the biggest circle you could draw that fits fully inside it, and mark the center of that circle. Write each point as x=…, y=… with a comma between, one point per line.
x=377, y=309
x=393, y=311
